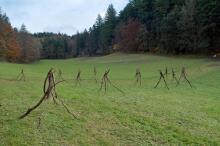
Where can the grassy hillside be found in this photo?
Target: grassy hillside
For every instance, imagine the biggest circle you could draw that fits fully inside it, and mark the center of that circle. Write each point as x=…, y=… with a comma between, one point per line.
x=141, y=117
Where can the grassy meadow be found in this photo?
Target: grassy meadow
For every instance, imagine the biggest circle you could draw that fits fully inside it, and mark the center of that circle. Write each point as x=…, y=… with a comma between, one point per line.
x=143, y=116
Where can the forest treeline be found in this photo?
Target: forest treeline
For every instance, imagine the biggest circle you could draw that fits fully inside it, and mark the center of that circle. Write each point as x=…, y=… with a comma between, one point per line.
x=17, y=45
x=157, y=26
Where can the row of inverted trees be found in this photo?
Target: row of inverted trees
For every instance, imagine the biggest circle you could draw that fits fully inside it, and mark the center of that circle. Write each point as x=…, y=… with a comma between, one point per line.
x=17, y=45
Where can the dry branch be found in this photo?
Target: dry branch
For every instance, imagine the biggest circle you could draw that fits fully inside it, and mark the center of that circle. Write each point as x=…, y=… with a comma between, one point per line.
x=184, y=75
x=59, y=75
x=161, y=77
x=138, y=76
x=21, y=76
x=78, y=78
x=39, y=122
x=95, y=74
x=174, y=76
x=166, y=72
x=49, y=90
x=106, y=81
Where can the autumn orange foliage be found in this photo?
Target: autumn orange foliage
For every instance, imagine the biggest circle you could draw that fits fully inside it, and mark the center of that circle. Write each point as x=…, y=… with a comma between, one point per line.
x=9, y=47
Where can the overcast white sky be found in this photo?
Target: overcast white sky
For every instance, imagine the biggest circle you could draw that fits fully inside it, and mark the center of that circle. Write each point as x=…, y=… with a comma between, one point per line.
x=65, y=16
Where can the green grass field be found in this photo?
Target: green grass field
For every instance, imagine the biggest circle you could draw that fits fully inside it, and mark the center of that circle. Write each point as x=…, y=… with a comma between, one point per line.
x=144, y=116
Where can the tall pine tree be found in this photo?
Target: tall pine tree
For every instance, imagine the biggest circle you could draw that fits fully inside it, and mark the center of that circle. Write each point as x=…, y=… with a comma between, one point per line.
x=107, y=31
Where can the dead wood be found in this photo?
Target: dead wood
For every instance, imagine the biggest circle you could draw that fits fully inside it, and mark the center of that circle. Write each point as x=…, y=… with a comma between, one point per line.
x=78, y=78
x=39, y=122
x=49, y=90
x=21, y=76
x=138, y=76
x=59, y=75
x=106, y=81
x=67, y=109
x=162, y=77
x=166, y=72
x=95, y=75
x=184, y=76
x=174, y=76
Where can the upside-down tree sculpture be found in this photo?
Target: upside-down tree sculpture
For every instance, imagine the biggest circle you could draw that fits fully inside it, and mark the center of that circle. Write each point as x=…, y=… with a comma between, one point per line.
x=138, y=76
x=162, y=77
x=184, y=76
x=95, y=74
x=49, y=91
x=78, y=78
x=174, y=76
x=106, y=81
x=21, y=76
x=59, y=75
x=166, y=72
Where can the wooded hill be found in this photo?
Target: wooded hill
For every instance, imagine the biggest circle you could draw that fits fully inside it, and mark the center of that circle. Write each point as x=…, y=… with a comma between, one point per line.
x=17, y=45
x=160, y=26
x=157, y=26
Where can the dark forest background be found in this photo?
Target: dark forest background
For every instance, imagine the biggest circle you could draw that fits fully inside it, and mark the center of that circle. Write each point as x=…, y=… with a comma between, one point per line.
x=157, y=26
